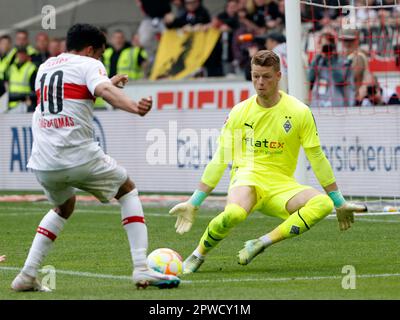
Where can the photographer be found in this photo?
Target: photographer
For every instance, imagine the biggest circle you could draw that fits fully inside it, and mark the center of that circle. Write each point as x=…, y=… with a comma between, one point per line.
x=331, y=77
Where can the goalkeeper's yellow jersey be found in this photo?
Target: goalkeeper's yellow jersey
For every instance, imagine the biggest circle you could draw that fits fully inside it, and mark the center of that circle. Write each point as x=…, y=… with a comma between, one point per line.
x=264, y=139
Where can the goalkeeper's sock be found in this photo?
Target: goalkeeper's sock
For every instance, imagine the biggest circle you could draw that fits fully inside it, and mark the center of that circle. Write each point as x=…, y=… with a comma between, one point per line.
x=47, y=231
x=266, y=240
x=198, y=254
x=299, y=222
x=135, y=227
x=219, y=227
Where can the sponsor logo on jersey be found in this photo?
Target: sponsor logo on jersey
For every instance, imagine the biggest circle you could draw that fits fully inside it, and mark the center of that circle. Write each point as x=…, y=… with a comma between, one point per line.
x=264, y=143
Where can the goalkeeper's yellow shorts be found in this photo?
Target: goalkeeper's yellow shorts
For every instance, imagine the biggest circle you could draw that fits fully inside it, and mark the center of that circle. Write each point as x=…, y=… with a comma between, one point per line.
x=274, y=190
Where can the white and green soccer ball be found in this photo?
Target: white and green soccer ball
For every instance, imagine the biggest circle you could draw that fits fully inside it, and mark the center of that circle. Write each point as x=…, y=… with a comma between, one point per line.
x=166, y=261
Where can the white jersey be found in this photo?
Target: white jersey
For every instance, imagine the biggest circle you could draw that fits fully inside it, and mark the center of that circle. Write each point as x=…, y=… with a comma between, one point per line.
x=62, y=124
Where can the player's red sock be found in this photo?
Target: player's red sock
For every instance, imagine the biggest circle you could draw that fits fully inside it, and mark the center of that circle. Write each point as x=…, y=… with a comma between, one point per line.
x=134, y=224
x=48, y=230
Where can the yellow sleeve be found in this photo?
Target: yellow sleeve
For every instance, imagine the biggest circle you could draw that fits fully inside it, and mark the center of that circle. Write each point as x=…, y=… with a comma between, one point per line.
x=320, y=165
x=223, y=155
x=215, y=169
x=309, y=135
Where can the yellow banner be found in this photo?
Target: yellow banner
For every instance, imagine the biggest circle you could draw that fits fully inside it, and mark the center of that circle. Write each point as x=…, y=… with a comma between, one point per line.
x=181, y=53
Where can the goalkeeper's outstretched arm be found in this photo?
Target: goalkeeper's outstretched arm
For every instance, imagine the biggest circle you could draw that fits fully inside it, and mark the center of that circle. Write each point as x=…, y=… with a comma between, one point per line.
x=324, y=173
x=186, y=211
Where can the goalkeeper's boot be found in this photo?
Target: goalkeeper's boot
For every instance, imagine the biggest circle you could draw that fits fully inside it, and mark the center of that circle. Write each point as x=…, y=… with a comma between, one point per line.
x=192, y=264
x=148, y=277
x=251, y=249
x=23, y=282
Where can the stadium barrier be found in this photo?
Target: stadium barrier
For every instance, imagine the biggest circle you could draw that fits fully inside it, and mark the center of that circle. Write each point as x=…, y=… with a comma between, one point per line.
x=167, y=150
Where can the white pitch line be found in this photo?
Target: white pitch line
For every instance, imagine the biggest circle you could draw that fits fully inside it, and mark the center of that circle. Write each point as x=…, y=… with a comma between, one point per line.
x=378, y=220
x=284, y=279
x=77, y=273
x=370, y=214
x=40, y=211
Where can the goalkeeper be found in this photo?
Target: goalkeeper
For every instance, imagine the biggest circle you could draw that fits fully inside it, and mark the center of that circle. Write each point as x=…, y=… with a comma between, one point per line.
x=262, y=138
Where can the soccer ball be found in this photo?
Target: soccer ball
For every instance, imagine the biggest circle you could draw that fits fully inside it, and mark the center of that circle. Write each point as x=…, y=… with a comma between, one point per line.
x=166, y=261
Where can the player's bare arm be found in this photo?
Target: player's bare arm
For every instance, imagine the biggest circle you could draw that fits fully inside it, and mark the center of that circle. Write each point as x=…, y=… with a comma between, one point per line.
x=118, y=99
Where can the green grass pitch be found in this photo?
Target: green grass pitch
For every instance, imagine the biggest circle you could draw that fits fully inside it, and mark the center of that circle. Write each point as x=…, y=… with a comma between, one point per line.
x=93, y=260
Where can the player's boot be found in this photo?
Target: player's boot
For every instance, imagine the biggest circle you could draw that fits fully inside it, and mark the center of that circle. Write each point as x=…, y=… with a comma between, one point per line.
x=192, y=264
x=251, y=249
x=149, y=277
x=23, y=282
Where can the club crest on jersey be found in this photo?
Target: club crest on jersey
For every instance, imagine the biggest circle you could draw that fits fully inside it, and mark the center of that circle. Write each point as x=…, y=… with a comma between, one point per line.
x=287, y=125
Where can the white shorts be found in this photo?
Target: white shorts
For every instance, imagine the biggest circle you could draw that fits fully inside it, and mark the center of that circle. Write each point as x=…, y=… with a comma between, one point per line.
x=102, y=177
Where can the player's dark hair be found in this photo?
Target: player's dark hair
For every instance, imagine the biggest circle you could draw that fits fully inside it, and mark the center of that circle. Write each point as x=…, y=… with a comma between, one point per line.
x=266, y=58
x=82, y=35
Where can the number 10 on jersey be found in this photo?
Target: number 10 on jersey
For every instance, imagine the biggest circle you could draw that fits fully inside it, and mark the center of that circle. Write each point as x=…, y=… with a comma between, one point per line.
x=47, y=96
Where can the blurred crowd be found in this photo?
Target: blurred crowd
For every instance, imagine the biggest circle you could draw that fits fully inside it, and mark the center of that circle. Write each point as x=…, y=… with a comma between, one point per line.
x=19, y=61
x=347, y=47
x=336, y=62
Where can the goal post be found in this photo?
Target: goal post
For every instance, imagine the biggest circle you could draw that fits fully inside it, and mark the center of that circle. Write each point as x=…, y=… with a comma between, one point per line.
x=296, y=75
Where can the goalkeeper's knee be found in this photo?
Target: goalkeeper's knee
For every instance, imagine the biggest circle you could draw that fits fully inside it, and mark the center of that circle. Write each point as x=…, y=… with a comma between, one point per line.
x=314, y=211
x=229, y=218
x=219, y=227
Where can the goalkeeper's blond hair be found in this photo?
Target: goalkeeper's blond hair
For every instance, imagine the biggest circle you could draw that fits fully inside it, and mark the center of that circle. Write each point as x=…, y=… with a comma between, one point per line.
x=266, y=58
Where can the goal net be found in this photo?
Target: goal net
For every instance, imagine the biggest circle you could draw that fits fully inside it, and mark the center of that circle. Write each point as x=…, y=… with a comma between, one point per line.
x=352, y=58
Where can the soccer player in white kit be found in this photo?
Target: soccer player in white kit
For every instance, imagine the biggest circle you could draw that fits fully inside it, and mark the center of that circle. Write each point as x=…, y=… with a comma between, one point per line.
x=65, y=155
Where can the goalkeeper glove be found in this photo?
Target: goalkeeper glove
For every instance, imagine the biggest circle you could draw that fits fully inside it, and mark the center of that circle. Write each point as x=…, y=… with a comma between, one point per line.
x=186, y=211
x=345, y=210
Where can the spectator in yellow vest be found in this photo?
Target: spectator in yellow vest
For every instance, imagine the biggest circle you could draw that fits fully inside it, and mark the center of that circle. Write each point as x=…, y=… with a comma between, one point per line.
x=21, y=83
x=22, y=40
x=133, y=61
x=111, y=56
x=113, y=62
x=6, y=54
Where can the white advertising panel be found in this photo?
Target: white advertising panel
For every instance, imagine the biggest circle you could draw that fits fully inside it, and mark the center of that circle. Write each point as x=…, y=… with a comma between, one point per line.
x=167, y=150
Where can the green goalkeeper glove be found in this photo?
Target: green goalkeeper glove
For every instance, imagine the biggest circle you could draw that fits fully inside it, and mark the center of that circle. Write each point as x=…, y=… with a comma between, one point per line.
x=186, y=211
x=345, y=210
